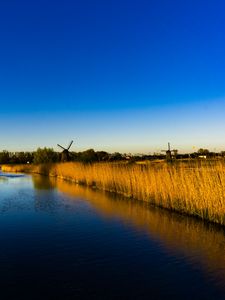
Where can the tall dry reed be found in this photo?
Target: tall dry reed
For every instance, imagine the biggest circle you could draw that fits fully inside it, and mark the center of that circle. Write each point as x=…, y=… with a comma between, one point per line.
x=197, y=189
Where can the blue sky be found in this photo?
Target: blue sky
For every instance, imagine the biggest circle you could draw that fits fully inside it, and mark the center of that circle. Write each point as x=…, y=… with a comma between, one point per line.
x=123, y=76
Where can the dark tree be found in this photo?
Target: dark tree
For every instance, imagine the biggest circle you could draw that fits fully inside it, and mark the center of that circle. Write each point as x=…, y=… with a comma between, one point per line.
x=102, y=155
x=45, y=155
x=203, y=151
x=88, y=156
x=4, y=157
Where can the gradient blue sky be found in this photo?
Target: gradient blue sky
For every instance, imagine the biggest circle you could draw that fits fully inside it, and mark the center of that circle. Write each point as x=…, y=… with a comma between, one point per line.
x=115, y=75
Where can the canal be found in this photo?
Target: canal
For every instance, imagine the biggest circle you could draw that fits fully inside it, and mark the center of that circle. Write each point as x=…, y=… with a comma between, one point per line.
x=63, y=241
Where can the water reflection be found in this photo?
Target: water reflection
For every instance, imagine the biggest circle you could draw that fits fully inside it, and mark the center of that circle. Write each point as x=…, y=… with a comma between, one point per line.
x=199, y=243
x=75, y=242
x=43, y=183
x=3, y=178
x=44, y=199
x=10, y=175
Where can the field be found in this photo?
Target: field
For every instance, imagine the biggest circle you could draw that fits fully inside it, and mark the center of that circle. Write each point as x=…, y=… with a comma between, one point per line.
x=195, y=188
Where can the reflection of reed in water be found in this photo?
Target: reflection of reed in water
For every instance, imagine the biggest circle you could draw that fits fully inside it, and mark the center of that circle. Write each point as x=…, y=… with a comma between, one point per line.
x=202, y=244
x=44, y=199
x=42, y=183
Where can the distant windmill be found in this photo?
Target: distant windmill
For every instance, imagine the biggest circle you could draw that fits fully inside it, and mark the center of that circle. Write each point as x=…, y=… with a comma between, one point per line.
x=65, y=156
x=169, y=153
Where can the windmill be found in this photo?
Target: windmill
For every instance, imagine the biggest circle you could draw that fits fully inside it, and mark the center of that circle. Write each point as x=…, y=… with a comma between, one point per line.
x=65, y=156
x=169, y=152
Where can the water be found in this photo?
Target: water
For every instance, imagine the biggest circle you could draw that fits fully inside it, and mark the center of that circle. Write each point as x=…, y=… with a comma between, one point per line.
x=63, y=241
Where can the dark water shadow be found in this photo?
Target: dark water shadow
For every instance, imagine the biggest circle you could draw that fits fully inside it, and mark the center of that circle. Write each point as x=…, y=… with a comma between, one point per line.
x=42, y=201
x=42, y=183
x=9, y=175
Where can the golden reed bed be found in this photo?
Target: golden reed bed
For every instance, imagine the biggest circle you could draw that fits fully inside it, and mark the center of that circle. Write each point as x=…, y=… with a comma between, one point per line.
x=197, y=189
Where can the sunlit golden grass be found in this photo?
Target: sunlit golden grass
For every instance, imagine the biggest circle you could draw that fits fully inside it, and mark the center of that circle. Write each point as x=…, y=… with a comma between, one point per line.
x=197, y=189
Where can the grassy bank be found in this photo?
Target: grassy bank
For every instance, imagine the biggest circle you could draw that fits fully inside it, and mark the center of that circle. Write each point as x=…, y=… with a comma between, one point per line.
x=197, y=189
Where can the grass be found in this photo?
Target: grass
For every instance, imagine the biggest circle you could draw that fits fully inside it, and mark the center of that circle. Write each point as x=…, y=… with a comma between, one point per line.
x=196, y=189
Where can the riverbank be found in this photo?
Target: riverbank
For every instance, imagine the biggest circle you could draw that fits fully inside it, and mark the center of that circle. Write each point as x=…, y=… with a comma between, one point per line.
x=197, y=190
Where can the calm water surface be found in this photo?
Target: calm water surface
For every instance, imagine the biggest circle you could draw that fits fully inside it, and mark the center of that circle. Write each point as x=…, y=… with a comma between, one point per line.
x=63, y=241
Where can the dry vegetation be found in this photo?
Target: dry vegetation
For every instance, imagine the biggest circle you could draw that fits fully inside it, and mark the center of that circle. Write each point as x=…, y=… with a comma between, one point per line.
x=197, y=189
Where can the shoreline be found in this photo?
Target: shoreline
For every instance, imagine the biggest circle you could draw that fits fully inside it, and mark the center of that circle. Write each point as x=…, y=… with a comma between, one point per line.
x=195, y=191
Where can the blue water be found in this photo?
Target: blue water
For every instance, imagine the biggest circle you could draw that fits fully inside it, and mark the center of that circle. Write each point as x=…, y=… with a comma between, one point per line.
x=61, y=241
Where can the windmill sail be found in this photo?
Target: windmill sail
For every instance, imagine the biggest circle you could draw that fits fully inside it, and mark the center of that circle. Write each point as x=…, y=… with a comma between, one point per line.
x=70, y=145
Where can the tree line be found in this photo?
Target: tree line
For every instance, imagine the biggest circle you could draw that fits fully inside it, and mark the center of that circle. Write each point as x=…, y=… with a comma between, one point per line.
x=48, y=155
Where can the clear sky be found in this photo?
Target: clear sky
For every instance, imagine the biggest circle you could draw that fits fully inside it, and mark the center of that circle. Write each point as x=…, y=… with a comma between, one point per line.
x=115, y=75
